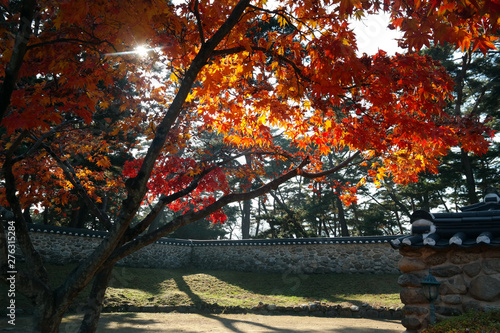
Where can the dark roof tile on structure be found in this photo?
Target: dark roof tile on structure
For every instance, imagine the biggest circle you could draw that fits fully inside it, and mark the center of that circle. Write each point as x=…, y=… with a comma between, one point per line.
x=475, y=224
x=246, y=242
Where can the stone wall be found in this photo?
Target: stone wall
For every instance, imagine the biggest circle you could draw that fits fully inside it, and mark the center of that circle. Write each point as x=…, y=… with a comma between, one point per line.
x=65, y=247
x=469, y=277
x=298, y=257
x=326, y=255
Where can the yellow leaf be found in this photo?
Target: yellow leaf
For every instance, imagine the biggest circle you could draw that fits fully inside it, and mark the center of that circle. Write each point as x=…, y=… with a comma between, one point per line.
x=174, y=78
x=103, y=162
x=328, y=124
x=282, y=21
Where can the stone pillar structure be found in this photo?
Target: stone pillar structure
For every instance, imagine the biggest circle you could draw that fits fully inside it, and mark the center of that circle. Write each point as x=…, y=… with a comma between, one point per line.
x=469, y=277
x=462, y=251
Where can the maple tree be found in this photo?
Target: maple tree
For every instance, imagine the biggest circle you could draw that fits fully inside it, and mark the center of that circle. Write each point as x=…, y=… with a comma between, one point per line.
x=68, y=67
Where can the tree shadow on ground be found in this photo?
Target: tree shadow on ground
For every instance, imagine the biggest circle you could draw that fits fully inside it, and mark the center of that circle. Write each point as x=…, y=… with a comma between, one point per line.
x=335, y=288
x=198, y=323
x=228, y=323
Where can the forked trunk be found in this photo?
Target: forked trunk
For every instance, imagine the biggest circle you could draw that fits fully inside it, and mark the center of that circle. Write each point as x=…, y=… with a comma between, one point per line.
x=46, y=319
x=95, y=301
x=470, y=182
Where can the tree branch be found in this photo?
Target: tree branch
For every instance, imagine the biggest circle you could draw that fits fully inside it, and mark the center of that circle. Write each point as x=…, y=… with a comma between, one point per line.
x=238, y=49
x=196, y=13
x=22, y=233
x=40, y=140
x=162, y=202
x=343, y=164
x=17, y=57
x=192, y=216
x=166, y=199
x=71, y=175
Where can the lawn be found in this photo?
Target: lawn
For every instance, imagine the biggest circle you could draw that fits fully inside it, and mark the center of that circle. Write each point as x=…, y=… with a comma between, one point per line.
x=186, y=287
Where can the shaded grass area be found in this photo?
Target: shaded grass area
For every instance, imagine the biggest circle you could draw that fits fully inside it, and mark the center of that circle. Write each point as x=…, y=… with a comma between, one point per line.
x=186, y=287
x=472, y=322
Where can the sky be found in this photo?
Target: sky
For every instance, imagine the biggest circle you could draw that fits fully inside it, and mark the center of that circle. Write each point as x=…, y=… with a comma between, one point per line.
x=372, y=34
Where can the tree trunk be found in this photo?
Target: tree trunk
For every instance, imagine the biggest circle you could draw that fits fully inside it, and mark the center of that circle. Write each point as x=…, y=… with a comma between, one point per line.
x=245, y=219
x=343, y=223
x=27, y=215
x=470, y=183
x=325, y=228
x=357, y=224
x=79, y=215
x=48, y=324
x=46, y=216
x=465, y=159
x=398, y=220
x=257, y=224
x=425, y=201
x=95, y=300
x=443, y=202
x=398, y=203
x=46, y=318
x=245, y=213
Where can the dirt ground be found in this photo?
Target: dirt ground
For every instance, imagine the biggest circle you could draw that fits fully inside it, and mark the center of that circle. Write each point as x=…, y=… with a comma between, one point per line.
x=230, y=323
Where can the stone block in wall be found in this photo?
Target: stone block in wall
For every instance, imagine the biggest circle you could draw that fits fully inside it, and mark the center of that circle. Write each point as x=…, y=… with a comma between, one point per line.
x=407, y=265
x=411, y=323
x=412, y=296
x=410, y=280
x=415, y=310
x=436, y=259
x=446, y=271
x=410, y=252
x=451, y=299
x=472, y=305
x=485, y=288
x=491, y=266
x=465, y=257
x=453, y=286
x=448, y=311
x=489, y=308
x=472, y=269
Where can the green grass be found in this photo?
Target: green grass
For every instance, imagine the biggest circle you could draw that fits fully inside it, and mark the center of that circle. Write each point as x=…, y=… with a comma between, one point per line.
x=471, y=322
x=185, y=287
